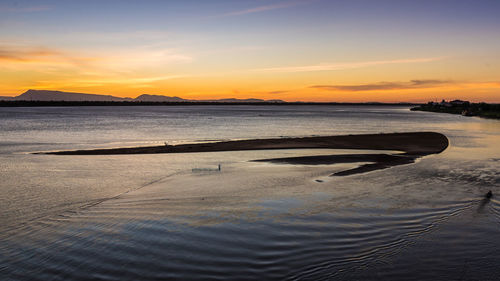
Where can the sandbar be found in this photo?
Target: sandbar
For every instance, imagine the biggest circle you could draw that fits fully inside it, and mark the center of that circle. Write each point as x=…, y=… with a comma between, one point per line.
x=412, y=146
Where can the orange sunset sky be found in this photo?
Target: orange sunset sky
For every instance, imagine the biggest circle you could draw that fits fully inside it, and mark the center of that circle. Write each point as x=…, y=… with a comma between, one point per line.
x=340, y=51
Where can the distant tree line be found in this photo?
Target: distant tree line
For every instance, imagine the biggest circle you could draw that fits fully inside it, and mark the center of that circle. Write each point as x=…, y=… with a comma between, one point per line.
x=464, y=108
x=30, y=103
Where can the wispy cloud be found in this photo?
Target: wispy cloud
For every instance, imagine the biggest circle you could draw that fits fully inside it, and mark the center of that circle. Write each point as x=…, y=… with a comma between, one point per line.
x=65, y=69
x=20, y=54
x=130, y=80
x=99, y=80
x=413, y=84
x=341, y=66
x=23, y=9
x=24, y=56
x=277, y=92
x=265, y=8
x=141, y=37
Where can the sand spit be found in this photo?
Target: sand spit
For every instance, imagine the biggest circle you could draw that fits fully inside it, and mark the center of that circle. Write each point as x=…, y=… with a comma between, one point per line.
x=417, y=143
x=380, y=161
x=412, y=145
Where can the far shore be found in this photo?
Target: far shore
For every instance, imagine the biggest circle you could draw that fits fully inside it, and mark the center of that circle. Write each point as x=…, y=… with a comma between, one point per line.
x=62, y=103
x=412, y=145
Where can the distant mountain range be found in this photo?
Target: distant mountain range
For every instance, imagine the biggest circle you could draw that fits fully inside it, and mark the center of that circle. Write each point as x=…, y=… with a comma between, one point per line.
x=45, y=95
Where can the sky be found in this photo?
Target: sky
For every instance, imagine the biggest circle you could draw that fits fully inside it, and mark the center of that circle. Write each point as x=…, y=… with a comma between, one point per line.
x=294, y=50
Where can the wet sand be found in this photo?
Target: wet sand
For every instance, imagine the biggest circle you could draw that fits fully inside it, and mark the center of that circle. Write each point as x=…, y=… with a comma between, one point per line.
x=412, y=145
x=380, y=161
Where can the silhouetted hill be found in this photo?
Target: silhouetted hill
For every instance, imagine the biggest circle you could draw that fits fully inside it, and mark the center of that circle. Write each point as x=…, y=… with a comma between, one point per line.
x=44, y=95
x=158, y=98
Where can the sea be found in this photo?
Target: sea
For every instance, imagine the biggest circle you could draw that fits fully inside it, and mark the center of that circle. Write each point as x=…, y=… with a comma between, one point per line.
x=178, y=217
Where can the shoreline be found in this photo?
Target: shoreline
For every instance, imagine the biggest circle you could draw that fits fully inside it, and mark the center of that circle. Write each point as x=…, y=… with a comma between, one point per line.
x=464, y=108
x=61, y=103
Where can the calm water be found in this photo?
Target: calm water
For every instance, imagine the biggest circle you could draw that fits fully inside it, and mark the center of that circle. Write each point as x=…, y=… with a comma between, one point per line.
x=153, y=217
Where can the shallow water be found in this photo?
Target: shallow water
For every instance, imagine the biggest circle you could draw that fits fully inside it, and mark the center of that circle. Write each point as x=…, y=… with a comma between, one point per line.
x=151, y=217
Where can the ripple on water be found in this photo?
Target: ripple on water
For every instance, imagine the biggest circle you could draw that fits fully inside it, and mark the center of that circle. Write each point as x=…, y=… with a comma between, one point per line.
x=328, y=245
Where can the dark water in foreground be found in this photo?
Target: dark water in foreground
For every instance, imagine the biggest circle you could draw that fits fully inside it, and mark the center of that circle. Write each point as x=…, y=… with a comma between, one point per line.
x=152, y=217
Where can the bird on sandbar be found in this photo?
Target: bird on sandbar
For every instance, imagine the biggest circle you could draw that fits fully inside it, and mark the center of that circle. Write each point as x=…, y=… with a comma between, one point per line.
x=489, y=194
